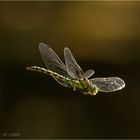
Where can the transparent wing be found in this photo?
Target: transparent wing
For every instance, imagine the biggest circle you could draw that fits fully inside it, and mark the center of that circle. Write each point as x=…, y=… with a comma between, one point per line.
x=62, y=81
x=52, y=61
x=89, y=73
x=109, y=84
x=72, y=67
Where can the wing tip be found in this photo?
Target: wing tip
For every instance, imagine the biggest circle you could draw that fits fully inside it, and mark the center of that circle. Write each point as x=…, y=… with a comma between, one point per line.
x=122, y=82
x=66, y=49
x=42, y=45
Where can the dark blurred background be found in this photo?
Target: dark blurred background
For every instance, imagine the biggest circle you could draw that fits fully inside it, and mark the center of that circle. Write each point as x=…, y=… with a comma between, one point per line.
x=104, y=36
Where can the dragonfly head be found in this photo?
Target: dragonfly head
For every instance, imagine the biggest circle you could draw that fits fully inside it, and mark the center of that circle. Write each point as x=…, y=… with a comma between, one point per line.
x=89, y=88
x=93, y=89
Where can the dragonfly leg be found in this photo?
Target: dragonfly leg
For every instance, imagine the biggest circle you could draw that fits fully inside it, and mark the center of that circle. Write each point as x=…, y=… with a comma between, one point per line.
x=74, y=89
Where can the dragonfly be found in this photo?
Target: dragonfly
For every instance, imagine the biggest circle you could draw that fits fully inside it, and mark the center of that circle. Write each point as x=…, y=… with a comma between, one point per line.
x=72, y=76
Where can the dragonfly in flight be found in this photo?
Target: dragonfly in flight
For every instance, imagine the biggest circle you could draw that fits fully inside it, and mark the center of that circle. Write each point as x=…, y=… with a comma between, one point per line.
x=71, y=75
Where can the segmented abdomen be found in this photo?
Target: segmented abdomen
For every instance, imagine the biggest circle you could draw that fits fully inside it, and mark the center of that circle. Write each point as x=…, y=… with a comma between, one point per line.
x=59, y=78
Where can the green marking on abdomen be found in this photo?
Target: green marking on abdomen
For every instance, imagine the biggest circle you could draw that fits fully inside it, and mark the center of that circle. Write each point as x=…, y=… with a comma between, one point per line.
x=45, y=71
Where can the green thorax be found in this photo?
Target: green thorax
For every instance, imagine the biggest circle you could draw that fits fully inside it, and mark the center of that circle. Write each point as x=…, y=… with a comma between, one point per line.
x=84, y=86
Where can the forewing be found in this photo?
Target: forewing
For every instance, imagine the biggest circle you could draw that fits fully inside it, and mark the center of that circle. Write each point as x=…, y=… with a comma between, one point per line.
x=51, y=60
x=109, y=84
x=89, y=73
x=72, y=67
